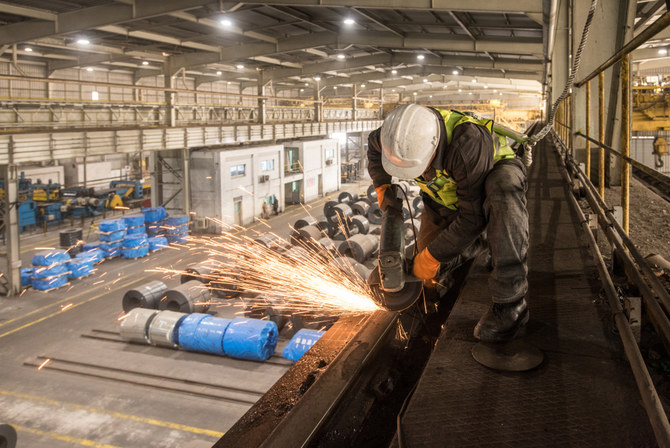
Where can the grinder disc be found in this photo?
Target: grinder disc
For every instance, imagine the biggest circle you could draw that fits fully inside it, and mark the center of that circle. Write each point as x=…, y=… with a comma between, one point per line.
x=514, y=356
x=394, y=301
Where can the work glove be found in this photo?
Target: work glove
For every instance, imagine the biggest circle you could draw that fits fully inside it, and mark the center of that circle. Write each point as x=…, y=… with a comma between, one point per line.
x=425, y=266
x=387, y=197
x=380, y=193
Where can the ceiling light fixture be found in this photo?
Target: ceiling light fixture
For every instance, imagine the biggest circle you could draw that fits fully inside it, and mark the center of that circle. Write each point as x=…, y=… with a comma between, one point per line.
x=317, y=78
x=485, y=86
x=83, y=41
x=240, y=66
x=89, y=69
x=28, y=49
x=455, y=72
x=340, y=56
x=226, y=22
x=425, y=80
x=460, y=90
x=362, y=86
x=229, y=82
x=421, y=57
x=218, y=73
x=349, y=21
x=335, y=88
x=302, y=90
x=474, y=81
x=414, y=93
x=145, y=63
x=394, y=72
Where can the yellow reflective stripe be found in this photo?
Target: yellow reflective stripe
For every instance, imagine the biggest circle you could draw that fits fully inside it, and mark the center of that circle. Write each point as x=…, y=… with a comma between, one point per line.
x=63, y=437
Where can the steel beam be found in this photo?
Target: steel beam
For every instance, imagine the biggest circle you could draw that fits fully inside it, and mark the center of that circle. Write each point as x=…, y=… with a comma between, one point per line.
x=8, y=173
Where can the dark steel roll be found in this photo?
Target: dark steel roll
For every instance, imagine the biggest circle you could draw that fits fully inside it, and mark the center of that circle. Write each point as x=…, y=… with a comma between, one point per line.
x=189, y=297
x=326, y=227
x=360, y=208
x=328, y=206
x=371, y=193
x=349, y=266
x=7, y=436
x=347, y=198
x=70, y=237
x=271, y=241
x=328, y=244
x=375, y=214
x=307, y=234
x=304, y=222
x=361, y=224
x=224, y=289
x=405, y=213
x=339, y=214
x=359, y=247
x=201, y=272
x=144, y=296
x=417, y=204
x=411, y=229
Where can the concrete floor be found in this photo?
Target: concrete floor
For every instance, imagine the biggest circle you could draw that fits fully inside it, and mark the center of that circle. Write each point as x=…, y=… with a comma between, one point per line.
x=99, y=391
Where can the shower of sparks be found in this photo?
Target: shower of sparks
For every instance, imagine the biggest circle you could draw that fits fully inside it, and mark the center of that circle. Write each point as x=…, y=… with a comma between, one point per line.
x=301, y=279
x=69, y=305
x=46, y=361
x=122, y=316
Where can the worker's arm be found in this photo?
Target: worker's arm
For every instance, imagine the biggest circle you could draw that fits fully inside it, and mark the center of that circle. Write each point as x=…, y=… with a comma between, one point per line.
x=469, y=161
x=377, y=174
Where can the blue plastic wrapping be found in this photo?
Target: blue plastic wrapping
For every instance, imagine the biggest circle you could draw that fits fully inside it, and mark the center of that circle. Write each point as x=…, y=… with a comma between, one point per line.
x=80, y=267
x=251, y=339
x=113, y=236
x=96, y=255
x=50, y=257
x=176, y=238
x=202, y=333
x=157, y=243
x=154, y=214
x=53, y=271
x=135, y=252
x=43, y=284
x=135, y=240
x=302, y=341
x=90, y=246
x=177, y=220
x=134, y=220
x=26, y=273
x=112, y=225
x=111, y=253
x=136, y=230
x=177, y=230
x=107, y=246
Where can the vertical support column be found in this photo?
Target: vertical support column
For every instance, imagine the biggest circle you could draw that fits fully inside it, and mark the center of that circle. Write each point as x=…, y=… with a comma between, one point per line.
x=353, y=103
x=262, y=115
x=625, y=139
x=363, y=154
x=170, y=112
x=11, y=215
x=601, y=134
x=318, y=107
x=588, y=129
x=186, y=179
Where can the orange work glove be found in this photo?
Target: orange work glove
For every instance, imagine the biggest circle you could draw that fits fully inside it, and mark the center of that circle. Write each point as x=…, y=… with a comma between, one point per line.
x=425, y=265
x=380, y=193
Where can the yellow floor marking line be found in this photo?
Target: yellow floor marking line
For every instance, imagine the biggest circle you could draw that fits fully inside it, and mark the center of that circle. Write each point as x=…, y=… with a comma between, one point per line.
x=114, y=414
x=29, y=324
x=63, y=437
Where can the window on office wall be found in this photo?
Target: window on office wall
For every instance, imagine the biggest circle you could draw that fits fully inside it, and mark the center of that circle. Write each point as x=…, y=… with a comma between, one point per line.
x=238, y=170
x=268, y=165
x=330, y=153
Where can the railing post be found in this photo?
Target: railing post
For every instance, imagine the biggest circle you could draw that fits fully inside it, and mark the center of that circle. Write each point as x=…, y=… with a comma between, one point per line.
x=601, y=134
x=625, y=139
x=588, y=129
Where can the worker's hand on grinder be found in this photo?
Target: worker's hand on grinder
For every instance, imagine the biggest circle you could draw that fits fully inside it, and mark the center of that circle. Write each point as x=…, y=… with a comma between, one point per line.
x=425, y=266
x=386, y=197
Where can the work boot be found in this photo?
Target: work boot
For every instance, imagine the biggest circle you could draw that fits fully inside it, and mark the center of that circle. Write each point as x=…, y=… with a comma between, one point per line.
x=502, y=322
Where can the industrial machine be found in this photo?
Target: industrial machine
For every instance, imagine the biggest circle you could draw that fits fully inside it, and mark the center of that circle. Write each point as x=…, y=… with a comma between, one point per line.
x=128, y=193
x=395, y=289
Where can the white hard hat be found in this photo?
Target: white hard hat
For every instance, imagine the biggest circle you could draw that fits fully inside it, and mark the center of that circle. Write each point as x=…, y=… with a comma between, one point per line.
x=409, y=138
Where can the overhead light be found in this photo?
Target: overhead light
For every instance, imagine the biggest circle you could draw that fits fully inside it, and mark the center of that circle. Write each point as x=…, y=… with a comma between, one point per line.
x=430, y=96
x=393, y=90
x=83, y=41
x=226, y=22
x=340, y=56
x=229, y=82
x=469, y=93
x=500, y=93
x=414, y=93
x=421, y=57
x=317, y=78
x=218, y=73
x=425, y=80
x=95, y=95
x=485, y=86
x=145, y=63
x=302, y=90
x=495, y=91
x=474, y=81
x=460, y=90
x=28, y=49
x=362, y=86
x=663, y=51
x=455, y=72
x=335, y=88
x=240, y=66
x=89, y=69
x=349, y=21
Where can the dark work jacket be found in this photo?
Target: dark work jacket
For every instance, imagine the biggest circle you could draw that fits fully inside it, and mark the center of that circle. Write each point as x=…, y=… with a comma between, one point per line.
x=468, y=160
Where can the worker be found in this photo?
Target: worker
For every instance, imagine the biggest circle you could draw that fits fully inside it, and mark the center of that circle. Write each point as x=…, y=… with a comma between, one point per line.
x=471, y=183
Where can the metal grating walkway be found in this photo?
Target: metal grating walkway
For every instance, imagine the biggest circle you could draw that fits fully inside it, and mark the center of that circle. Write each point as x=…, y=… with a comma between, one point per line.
x=582, y=395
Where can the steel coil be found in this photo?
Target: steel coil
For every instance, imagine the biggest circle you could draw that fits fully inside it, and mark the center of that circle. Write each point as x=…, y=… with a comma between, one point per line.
x=111, y=225
x=70, y=238
x=341, y=213
x=189, y=297
x=328, y=206
x=307, y=234
x=147, y=295
x=360, y=208
x=359, y=247
x=304, y=222
x=201, y=272
x=50, y=257
x=135, y=326
x=250, y=339
x=162, y=326
x=361, y=224
x=347, y=198
x=417, y=204
x=374, y=214
x=350, y=266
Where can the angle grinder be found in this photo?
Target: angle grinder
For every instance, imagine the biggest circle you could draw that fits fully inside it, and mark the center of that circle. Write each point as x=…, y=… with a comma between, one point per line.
x=394, y=288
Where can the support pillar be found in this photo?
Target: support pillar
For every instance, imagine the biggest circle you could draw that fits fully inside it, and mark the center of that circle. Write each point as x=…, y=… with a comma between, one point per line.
x=156, y=179
x=353, y=103
x=186, y=179
x=170, y=112
x=262, y=110
x=11, y=217
x=318, y=106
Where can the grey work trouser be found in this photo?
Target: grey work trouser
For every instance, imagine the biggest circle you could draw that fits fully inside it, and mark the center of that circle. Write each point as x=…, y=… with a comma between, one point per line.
x=507, y=232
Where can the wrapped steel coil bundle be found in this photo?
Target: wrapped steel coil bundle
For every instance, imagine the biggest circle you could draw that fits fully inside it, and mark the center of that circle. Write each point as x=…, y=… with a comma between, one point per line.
x=147, y=295
x=50, y=258
x=111, y=233
x=26, y=274
x=80, y=267
x=189, y=297
x=360, y=208
x=111, y=249
x=153, y=214
x=201, y=272
x=162, y=327
x=359, y=247
x=361, y=224
x=250, y=339
x=54, y=270
x=50, y=269
x=135, y=326
x=177, y=228
x=133, y=220
x=135, y=245
x=111, y=225
x=90, y=246
x=374, y=214
x=95, y=255
x=304, y=222
x=202, y=333
x=49, y=283
x=347, y=198
x=302, y=341
x=157, y=243
x=350, y=266
x=156, y=229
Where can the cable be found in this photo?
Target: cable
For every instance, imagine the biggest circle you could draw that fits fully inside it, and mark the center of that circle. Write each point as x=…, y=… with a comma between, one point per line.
x=528, y=147
x=411, y=217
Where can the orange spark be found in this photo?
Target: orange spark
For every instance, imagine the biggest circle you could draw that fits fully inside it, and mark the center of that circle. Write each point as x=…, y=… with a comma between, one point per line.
x=69, y=305
x=46, y=361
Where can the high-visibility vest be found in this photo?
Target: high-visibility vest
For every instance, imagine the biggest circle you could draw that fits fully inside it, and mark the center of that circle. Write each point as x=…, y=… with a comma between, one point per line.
x=442, y=188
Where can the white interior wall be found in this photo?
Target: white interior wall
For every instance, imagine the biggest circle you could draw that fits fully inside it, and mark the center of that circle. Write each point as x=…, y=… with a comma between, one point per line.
x=314, y=156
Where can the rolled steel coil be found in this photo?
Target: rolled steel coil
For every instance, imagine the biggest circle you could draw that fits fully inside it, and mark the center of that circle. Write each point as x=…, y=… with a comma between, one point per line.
x=80, y=267
x=328, y=206
x=271, y=241
x=417, y=204
x=112, y=237
x=347, y=198
x=45, y=284
x=106, y=246
x=304, y=222
x=250, y=339
x=224, y=289
x=147, y=295
x=177, y=238
x=136, y=230
x=348, y=265
x=8, y=436
x=359, y=247
x=135, y=252
x=341, y=213
x=360, y=208
x=177, y=230
x=162, y=326
x=153, y=214
x=297, y=253
x=374, y=214
x=189, y=297
x=157, y=243
x=306, y=234
x=135, y=240
x=328, y=244
x=202, y=333
x=201, y=272
x=371, y=193
x=135, y=326
x=134, y=220
x=177, y=220
x=326, y=227
x=70, y=237
x=361, y=224
x=50, y=257
x=41, y=272
x=411, y=229
x=96, y=255
x=112, y=225
x=90, y=246
x=26, y=273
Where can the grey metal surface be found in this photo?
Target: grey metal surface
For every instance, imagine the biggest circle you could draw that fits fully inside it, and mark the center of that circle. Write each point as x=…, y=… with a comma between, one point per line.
x=135, y=327
x=583, y=394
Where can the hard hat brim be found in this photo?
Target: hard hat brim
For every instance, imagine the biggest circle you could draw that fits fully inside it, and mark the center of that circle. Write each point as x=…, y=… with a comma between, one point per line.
x=403, y=172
